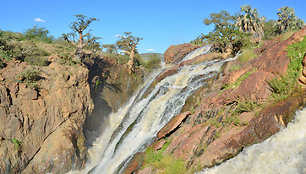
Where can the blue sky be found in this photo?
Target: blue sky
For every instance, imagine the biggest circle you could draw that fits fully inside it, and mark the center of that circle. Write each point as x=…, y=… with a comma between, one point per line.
x=160, y=23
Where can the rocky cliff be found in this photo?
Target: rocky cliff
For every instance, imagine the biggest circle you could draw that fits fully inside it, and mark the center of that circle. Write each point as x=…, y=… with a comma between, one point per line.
x=41, y=123
x=50, y=115
x=236, y=109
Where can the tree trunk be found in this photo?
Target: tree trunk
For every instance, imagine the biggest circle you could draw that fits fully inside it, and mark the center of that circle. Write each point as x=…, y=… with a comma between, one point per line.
x=130, y=63
x=79, y=49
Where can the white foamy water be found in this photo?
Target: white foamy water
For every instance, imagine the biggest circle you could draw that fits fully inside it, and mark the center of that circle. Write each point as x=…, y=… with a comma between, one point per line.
x=282, y=153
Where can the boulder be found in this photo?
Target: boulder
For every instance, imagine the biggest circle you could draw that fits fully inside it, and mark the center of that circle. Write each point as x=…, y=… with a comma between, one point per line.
x=172, y=124
x=158, y=145
x=175, y=53
x=134, y=164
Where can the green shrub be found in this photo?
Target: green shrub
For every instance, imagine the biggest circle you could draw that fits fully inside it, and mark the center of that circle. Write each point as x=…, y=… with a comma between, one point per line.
x=2, y=64
x=232, y=119
x=239, y=80
x=246, y=106
x=164, y=162
x=16, y=143
x=64, y=51
x=30, y=77
x=235, y=67
x=38, y=34
x=153, y=62
x=247, y=54
x=29, y=52
x=287, y=84
x=6, y=50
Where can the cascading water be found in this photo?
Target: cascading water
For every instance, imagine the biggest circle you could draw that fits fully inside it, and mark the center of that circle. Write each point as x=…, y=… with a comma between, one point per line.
x=199, y=51
x=135, y=125
x=284, y=152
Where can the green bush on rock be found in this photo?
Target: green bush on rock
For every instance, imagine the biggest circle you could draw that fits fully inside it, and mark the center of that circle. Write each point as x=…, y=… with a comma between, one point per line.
x=285, y=85
x=30, y=77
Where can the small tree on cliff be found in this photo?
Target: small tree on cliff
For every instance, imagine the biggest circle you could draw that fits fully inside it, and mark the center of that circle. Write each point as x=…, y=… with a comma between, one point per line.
x=128, y=44
x=78, y=27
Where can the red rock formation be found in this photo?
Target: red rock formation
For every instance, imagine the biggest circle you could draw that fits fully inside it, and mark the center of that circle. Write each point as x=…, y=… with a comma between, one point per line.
x=172, y=124
x=176, y=53
x=202, y=143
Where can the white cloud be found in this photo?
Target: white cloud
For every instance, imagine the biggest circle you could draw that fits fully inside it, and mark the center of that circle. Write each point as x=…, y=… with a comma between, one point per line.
x=150, y=50
x=117, y=35
x=39, y=20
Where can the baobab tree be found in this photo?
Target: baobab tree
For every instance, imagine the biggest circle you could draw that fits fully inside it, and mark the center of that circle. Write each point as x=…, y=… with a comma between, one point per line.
x=128, y=44
x=78, y=28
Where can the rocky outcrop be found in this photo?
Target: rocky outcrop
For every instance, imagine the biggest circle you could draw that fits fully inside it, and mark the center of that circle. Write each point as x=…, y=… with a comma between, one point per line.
x=41, y=128
x=175, y=53
x=227, y=120
x=172, y=125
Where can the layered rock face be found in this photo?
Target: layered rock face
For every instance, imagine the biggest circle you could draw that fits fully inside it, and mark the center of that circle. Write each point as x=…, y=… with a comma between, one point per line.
x=227, y=120
x=41, y=129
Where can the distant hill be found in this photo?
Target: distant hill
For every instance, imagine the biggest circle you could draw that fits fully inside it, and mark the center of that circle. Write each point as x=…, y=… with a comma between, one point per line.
x=146, y=56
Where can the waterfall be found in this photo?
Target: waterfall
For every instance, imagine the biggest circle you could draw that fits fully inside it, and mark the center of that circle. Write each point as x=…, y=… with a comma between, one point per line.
x=135, y=125
x=284, y=152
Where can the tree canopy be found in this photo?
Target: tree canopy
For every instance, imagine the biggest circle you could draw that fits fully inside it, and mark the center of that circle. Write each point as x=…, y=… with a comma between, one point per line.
x=249, y=21
x=287, y=20
x=38, y=33
x=128, y=44
x=225, y=35
x=78, y=28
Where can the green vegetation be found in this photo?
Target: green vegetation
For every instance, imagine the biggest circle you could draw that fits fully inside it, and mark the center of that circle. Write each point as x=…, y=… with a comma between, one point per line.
x=12, y=46
x=231, y=33
x=153, y=62
x=270, y=30
x=16, y=143
x=250, y=22
x=38, y=34
x=79, y=28
x=285, y=85
x=235, y=67
x=239, y=80
x=287, y=21
x=164, y=162
x=30, y=77
x=246, y=106
x=214, y=122
x=128, y=44
x=225, y=35
x=247, y=54
x=232, y=119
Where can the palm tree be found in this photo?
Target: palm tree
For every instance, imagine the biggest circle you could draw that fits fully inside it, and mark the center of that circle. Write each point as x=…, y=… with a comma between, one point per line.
x=249, y=21
x=287, y=20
